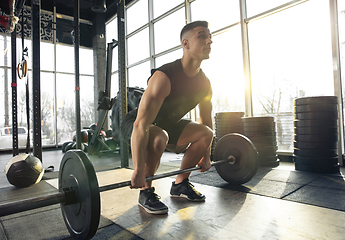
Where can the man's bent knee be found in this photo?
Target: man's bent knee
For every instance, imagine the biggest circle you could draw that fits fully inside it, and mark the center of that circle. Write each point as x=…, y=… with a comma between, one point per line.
x=208, y=134
x=158, y=140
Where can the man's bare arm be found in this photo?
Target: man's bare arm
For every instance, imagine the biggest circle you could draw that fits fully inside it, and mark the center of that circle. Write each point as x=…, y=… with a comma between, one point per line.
x=158, y=89
x=205, y=107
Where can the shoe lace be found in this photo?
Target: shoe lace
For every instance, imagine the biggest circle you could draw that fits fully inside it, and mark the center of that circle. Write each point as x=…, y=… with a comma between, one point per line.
x=154, y=197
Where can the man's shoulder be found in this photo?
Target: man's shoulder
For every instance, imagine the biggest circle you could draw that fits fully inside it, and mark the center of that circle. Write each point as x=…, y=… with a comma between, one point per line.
x=168, y=68
x=170, y=65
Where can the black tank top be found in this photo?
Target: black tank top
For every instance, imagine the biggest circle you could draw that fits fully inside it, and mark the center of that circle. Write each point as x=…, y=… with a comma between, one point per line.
x=186, y=93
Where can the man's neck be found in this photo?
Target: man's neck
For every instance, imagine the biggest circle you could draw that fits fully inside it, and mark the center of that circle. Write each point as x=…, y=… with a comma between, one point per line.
x=190, y=66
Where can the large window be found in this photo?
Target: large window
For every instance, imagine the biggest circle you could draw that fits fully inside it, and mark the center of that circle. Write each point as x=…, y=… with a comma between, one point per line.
x=172, y=56
x=289, y=48
x=137, y=15
x=47, y=108
x=138, y=46
x=294, y=60
x=65, y=58
x=219, y=14
x=341, y=24
x=57, y=123
x=255, y=7
x=160, y=7
x=167, y=31
x=225, y=71
x=47, y=56
x=138, y=75
x=111, y=33
x=65, y=88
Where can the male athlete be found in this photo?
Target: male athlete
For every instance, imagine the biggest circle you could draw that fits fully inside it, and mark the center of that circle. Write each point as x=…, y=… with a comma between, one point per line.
x=173, y=90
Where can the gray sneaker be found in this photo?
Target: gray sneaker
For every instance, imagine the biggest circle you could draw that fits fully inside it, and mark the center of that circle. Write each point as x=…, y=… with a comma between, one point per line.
x=186, y=190
x=150, y=201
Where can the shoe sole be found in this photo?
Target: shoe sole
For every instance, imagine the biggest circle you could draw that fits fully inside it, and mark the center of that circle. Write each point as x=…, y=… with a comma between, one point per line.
x=158, y=212
x=186, y=197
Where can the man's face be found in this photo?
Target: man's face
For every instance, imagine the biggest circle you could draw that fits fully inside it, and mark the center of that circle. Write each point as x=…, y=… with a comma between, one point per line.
x=199, y=42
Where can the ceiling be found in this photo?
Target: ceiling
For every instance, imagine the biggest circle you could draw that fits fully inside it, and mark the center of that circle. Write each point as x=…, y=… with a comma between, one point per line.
x=66, y=7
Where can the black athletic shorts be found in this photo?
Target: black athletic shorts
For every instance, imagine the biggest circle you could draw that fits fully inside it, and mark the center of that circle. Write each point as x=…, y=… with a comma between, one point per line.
x=174, y=130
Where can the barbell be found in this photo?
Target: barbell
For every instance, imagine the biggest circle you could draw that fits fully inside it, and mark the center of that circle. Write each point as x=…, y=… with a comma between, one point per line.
x=235, y=159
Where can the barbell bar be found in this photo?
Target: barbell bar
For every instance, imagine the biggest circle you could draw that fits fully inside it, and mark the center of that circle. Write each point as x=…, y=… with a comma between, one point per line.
x=230, y=160
x=68, y=196
x=235, y=159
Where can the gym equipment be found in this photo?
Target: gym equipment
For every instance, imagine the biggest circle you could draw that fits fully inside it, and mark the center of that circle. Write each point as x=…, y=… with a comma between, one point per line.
x=316, y=134
x=228, y=122
x=262, y=131
x=105, y=103
x=79, y=193
x=24, y=170
x=134, y=95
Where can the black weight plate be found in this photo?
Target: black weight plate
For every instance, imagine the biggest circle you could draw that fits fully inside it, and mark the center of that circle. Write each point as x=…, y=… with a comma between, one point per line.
x=257, y=119
x=259, y=129
x=266, y=148
x=316, y=123
x=222, y=133
x=316, y=138
x=237, y=122
x=228, y=119
x=316, y=100
x=63, y=147
x=246, y=156
x=231, y=121
x=258, y=124
x=317, y=168
x=315, y=153
x=316, y=108
x=316, y=130
x=219, y=136
x=225, y=114
x=259, y=145
x=228, y=128
x=315, y=160
x=316, y=145
x=267, y=153
x=267, y=158
x=228, y=124
x=218, y=133
x=263, y=139
x=316, y=115
x=259, y=134
x=269, y=161
x=71, y=145
x=77, y=172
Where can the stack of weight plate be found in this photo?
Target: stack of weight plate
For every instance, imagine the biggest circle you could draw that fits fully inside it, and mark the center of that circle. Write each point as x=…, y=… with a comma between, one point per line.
x=262, y=132
x=226, y=122
x=316, y=134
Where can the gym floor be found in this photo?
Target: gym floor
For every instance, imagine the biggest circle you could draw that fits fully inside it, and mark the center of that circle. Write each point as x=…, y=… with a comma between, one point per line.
x=278, y=203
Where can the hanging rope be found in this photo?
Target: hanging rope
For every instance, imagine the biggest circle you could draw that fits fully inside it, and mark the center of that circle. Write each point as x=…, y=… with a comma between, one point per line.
x=12, y=19
x=22, y=68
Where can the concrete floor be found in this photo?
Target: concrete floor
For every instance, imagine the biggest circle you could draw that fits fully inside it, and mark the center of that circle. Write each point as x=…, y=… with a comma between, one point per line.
x=278, y=203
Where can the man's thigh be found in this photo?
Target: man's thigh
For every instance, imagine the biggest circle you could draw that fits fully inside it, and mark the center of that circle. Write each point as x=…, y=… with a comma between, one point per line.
x=192, y=133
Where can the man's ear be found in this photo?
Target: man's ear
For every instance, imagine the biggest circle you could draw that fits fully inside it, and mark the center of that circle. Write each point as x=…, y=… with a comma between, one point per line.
x=185, y=43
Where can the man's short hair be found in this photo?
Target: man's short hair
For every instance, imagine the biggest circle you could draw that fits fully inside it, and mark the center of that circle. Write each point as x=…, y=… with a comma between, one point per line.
x=191, y=26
